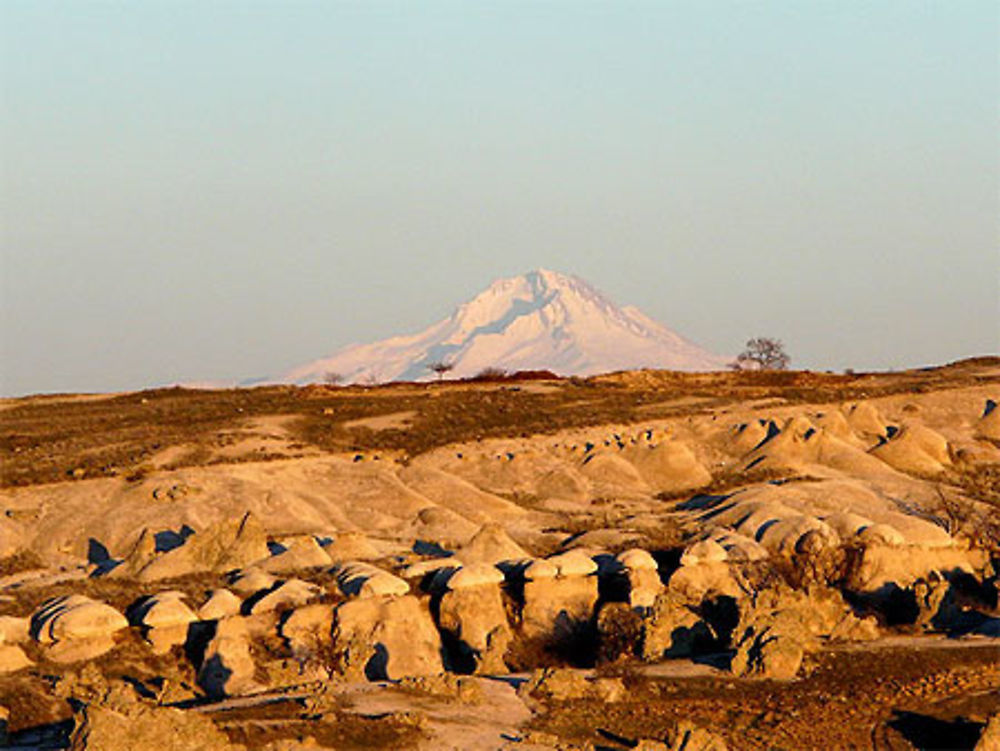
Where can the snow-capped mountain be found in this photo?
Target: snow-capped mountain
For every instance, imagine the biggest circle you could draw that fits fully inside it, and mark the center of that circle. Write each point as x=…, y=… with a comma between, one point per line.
x=542, y=320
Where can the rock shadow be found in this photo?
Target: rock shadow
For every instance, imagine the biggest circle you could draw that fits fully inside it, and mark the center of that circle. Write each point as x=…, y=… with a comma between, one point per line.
x=166, y=540
x=49, y=735
x=100, y=557
x=933, y=734
x=377, y=667
x=703, y=502
x=667, y=562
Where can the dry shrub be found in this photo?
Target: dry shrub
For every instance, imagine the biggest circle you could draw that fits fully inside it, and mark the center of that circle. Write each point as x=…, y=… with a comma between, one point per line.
x=626, y=670
x=490, y=374
x=575, y=646
x=29, y=698
x=22, y=560
x=525, y=654
x=980, y=482
x=979, y=522
x=733, y=479
x=619, y=630
x=572, y=644
x=667, y=538
x=140, y=473
x=835, y=567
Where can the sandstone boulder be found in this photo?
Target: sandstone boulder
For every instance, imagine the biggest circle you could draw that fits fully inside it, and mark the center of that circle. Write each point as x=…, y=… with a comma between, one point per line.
x=740, y=547
x=447, y=685
x=12, y=659
x=142, y=553
x=358, y=579
x=685, y=737
x=251, y=580
x=573, y=563
x=471, y=613
x=697, y=582
x=420, y=569
x=75, y=617
x=14, y=630
x=164, y=618
x=301, y=553
x=669, y=466
x=915, y=448
x=769, y=651
x=221, y=603
x=642, y=578
x=308, y=629
x=853, y=629
x=989, y=740
x=161, y=610
x=386, y=638
x=289, y=594
x=140, y=726
x=847, y=524
x=540, y=569
x=864, y=418
x=79, y=650
x=565, y=684
x=673, y=628
x=224, y=546
x=883, y=565
x=790, y=535
x=881, y=534
x=351, y=546
x=637, y=559
x=556, y=609
x=475, y=575
x=705, y=551
x=227, y=667
x=777, y=627
x=491, y=544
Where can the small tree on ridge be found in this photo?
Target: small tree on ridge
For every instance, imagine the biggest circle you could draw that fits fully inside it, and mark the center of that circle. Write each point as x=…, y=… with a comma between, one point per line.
x=765, y=353
x=441, y=367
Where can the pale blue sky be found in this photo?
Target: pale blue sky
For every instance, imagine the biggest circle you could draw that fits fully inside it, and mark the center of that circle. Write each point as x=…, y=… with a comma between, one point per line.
x=202, y=190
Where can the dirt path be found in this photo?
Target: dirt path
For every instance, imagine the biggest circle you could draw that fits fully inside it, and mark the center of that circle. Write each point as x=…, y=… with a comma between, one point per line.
x=489, y=725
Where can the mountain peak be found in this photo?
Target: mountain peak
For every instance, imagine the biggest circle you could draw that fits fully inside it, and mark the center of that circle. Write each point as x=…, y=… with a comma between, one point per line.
x=540, y=320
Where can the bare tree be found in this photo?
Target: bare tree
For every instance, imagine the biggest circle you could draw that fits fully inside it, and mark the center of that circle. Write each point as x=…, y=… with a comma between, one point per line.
x=332, y=378
x=764, y=353
x=441, y=367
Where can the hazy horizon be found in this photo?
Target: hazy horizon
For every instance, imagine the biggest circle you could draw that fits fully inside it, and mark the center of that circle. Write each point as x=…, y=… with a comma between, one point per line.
x=221, y=190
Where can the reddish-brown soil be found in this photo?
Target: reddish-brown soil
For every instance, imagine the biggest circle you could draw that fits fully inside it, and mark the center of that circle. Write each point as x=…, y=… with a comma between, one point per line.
x=929, y=697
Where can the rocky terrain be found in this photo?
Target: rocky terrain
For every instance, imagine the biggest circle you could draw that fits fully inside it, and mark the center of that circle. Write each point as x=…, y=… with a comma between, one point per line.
x=648, y=560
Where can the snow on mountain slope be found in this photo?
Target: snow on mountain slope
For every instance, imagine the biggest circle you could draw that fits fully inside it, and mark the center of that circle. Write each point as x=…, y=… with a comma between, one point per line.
x=542, y=320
